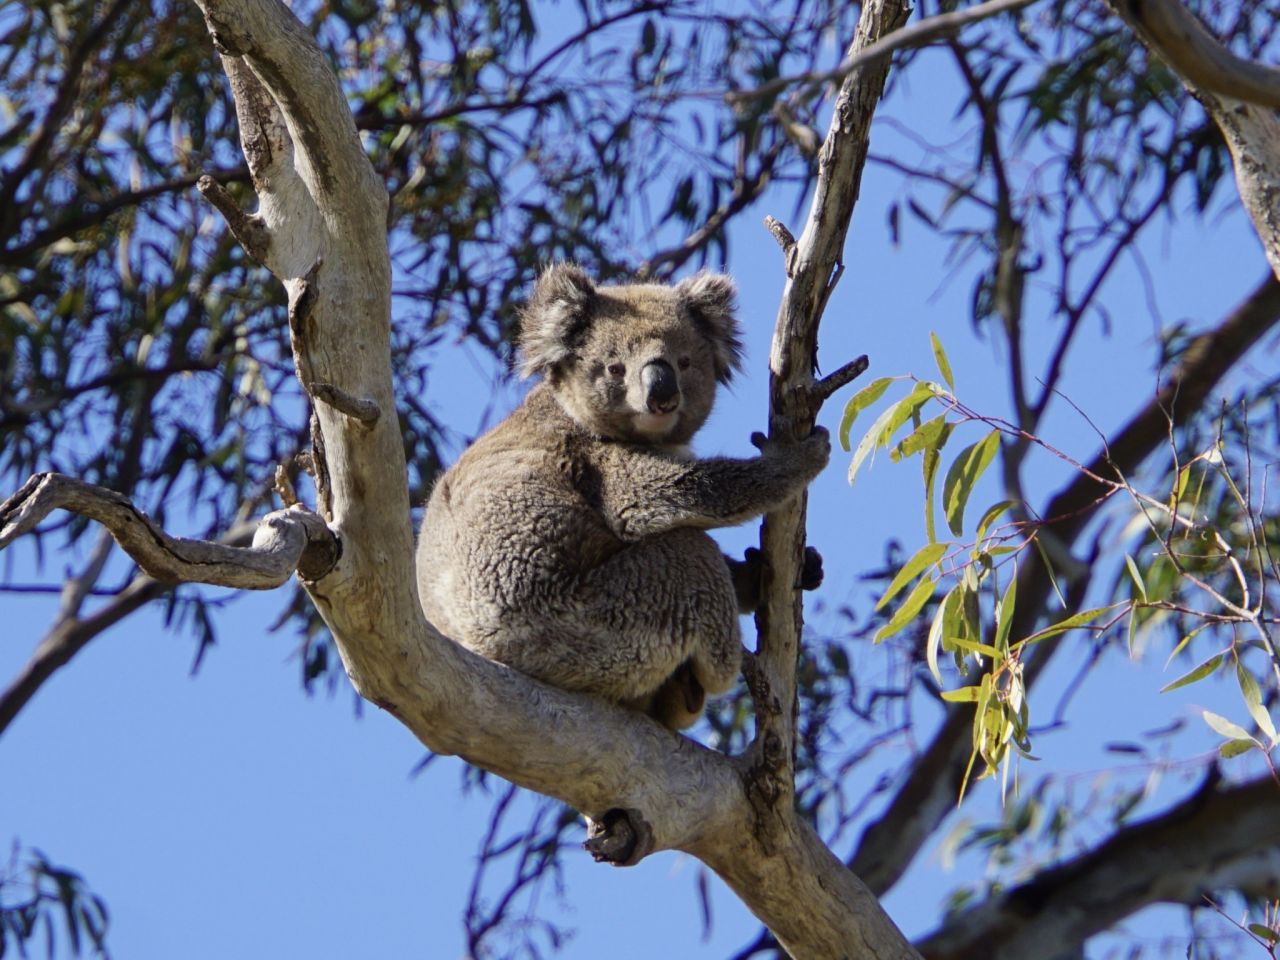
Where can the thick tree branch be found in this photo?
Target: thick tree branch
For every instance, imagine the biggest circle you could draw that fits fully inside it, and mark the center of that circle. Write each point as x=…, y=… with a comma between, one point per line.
x=1181, y=40
x=323, y=205
x=285, y=540
x=930, y=789
x=1240, y=97
x=1214, y=840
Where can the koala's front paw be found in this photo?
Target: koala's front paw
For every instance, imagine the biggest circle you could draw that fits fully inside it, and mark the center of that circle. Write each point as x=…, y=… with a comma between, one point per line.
x=818, y=446
x=800, y=462
x=815, y=448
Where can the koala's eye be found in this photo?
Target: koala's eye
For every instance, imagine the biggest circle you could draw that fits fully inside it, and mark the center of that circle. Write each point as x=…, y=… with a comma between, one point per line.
x=683, y=363
x=616, y=369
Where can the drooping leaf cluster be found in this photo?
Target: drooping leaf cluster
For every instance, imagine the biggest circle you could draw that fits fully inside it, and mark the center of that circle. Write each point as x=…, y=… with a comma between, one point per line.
x=43, y=906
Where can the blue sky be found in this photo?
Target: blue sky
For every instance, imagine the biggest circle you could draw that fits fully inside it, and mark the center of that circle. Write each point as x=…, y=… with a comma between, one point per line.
x=227, y=814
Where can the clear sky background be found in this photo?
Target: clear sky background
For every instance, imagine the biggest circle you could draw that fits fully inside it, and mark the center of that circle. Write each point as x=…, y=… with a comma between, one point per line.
x=227, y=814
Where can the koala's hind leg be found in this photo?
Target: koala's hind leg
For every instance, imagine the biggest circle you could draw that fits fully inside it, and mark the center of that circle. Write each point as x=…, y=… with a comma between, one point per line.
x=663, y=607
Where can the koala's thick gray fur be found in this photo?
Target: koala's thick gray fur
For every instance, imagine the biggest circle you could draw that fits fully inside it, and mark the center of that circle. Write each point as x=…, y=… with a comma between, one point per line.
x=568, y=541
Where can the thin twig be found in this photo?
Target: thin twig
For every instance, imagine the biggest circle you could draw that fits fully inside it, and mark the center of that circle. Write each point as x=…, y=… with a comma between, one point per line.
x=916, y=35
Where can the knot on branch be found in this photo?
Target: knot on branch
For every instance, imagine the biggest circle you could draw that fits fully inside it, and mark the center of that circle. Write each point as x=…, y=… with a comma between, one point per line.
x=323, y=549
x=621, y=837
x=768, y=786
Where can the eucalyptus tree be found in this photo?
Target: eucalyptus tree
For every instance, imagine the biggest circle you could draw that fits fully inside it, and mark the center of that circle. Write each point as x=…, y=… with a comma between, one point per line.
x=413, y=166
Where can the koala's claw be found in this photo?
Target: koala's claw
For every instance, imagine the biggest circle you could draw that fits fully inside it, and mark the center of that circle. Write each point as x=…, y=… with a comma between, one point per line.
x=820, y=437
x=817, y=437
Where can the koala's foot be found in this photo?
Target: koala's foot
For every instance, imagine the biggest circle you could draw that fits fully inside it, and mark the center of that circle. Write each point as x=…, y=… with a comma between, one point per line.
x=678, y=703
x=811, y=572
x=620, y=837
x=746, y=576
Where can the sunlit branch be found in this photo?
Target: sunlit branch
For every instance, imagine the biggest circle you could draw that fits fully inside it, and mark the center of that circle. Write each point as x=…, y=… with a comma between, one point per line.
x=286, y=541
x=1214, y=839
x=1182, y=40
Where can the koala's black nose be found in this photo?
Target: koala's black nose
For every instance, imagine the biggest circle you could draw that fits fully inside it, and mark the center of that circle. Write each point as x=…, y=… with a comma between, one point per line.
x=661, y=390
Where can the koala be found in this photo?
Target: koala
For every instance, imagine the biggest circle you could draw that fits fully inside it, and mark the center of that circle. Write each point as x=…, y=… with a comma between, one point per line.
x=569, y=542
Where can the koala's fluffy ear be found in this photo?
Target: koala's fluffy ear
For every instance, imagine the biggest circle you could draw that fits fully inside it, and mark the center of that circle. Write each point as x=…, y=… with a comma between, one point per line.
x=556, y=316
x=711, y=300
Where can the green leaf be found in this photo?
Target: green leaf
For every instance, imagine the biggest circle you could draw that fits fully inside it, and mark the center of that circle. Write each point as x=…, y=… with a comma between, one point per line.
x=1199, y=673
x=1062, y=626
x=945, y=616
x=925, y=557
x=1264, y=932
x=915, y=601
x=944, y=365
x=870, y=440
x=1183, y=642
x=1181, y=486
x=989, y=517
x=931, y=435
x=974, y=646
x=963, y=695
x=1048, y=569
x=932, y=457
x=906, y=408
x=1253, y=701
x=1004, y=614
x=1225, y=727
x=962, y=476
x=1233, y=748
x=1136, y=576
x=859, y=402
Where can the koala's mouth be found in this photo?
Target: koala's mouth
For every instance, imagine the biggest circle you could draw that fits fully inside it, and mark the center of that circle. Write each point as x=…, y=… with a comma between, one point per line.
x=655, y=425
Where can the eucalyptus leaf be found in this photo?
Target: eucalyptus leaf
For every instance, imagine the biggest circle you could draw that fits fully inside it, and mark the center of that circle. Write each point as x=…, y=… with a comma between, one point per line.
x=924, y=558
x=965, y=471
x=859, y=402
x=944, y=365
x=1199, y=673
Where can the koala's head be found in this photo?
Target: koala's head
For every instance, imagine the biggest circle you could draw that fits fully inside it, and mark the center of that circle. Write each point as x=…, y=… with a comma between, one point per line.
x=638, y=362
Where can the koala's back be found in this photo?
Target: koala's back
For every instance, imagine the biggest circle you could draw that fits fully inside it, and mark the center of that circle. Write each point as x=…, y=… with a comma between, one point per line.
x=507, y=531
